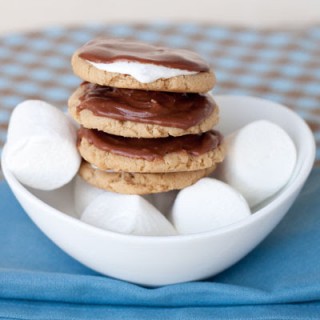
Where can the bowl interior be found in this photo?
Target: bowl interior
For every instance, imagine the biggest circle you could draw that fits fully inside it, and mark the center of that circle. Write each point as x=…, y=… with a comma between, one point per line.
x=235, y=112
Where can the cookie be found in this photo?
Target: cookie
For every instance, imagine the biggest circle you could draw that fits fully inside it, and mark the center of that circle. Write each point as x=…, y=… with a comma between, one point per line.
x=142, y=114
x=172, y=154
x=146, y=117
x=128, y=64
x=140, y=183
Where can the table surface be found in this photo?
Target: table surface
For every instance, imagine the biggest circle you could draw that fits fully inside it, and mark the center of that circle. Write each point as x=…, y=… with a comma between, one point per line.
x=280, y=65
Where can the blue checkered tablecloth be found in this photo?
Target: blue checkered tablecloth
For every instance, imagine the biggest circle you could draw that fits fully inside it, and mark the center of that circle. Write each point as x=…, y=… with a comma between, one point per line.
x=281, y=65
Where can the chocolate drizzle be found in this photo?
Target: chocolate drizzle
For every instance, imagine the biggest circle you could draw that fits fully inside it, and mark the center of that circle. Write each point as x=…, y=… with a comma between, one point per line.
x=110, y=50
x=169, y=109
x=151, y=149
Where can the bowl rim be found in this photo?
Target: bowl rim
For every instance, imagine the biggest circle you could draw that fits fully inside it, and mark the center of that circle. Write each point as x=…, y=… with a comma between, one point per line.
x=297, y=181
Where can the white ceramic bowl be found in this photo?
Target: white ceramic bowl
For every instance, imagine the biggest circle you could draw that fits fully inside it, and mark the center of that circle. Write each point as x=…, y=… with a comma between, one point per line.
x=166, y=260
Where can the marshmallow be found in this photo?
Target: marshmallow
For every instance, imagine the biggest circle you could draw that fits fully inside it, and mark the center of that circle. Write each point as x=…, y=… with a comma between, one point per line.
x=207, y=205
x=41, y=147
x=143, y=72
x=259, y=161
x=84, y=194
x=129, y=214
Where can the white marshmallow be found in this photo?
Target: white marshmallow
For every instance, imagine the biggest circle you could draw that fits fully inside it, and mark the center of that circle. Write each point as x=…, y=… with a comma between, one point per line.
x=129, y=214
x=259, y=161
x=41, y=147
x=143, y=72
x=207, y=205
x=84, y=194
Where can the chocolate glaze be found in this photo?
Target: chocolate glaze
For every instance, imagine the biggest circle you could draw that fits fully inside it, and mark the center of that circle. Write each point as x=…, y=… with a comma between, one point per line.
x=151, y=149
x=169, y=109
x=107, y=50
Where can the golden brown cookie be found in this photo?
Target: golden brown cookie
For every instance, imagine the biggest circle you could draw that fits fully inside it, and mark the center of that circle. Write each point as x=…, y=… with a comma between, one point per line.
x=172, y=154
x=142, y=114
x=87, y=60
x=140, y=183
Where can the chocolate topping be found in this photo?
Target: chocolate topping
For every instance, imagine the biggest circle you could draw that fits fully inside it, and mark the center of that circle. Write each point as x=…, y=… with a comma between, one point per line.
x=169, y=109
x=110, y=50
x=150, y=149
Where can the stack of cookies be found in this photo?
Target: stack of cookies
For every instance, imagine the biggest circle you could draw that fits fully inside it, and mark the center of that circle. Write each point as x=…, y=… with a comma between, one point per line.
x=146, y=117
